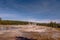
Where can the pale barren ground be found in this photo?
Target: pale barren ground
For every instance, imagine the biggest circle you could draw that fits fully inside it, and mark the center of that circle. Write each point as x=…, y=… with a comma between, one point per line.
x=29, y=31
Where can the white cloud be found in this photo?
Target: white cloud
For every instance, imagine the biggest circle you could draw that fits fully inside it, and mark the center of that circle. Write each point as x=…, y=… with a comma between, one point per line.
x=15, y=17
x=42, y=20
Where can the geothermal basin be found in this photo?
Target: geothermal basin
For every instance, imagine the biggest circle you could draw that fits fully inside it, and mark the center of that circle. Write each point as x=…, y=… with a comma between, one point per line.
x=12, y=32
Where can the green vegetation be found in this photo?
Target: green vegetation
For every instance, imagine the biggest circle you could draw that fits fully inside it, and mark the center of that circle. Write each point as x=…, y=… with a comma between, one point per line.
x=10, y=22
x=51, y=24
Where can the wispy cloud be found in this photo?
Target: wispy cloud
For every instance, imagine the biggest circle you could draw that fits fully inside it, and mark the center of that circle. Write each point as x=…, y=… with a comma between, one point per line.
x=36, y=11
x=41, y=20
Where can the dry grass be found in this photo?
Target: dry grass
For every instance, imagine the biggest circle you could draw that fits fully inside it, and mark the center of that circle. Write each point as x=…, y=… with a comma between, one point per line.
x=58, y=29
x=7, y=38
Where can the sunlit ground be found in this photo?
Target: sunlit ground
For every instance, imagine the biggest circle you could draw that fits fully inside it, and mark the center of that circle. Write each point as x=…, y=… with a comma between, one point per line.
x=30, y=32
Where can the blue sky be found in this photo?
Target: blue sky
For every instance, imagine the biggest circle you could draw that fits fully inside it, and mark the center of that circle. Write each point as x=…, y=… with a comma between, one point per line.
x=30, y=10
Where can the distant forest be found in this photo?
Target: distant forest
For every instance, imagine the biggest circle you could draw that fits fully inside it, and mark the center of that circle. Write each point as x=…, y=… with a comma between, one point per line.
x=10, y=22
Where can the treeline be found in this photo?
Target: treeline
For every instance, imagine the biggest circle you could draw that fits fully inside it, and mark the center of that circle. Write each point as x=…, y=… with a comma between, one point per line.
x=10, y=22
x=51, y=24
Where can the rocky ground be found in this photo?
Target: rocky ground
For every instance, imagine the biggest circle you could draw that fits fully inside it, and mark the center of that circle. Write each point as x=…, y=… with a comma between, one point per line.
x=33, y=32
